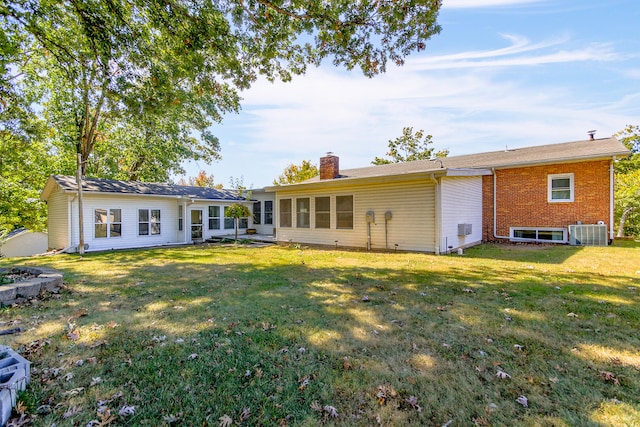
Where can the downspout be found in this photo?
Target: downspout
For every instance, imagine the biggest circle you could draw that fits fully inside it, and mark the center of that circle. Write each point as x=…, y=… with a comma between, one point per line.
x=611, y=197
x=495, y=207
x=436, y=207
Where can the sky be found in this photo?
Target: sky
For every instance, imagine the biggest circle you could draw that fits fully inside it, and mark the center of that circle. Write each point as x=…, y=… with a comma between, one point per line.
x=501, y=73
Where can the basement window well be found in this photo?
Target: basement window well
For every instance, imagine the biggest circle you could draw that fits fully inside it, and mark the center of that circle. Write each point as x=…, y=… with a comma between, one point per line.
x=542, y=235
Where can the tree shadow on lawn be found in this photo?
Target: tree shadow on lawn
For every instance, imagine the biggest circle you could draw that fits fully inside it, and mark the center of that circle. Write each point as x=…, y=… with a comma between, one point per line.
x=198, y=340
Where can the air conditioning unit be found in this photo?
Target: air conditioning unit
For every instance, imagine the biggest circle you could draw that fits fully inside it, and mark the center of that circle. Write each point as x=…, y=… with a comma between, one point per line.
x=588, y=235
x=464, y=229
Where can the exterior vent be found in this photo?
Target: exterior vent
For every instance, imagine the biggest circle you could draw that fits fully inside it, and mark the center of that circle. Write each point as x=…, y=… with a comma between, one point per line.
x=464, y=229
x=588, y=235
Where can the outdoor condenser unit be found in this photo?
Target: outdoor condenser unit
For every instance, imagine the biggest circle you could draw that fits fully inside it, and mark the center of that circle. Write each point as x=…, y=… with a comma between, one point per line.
x=588, y=235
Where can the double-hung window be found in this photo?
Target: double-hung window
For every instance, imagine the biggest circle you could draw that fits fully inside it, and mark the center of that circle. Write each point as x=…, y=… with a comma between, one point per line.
x=107, y=223
x=285, y=212
x=323, y=212
x=148, y=222
x=214, y=217
x=229, y=222
x=257, y=212
x=560, y=187
x=344, y=212
x=302, y=212
x=268, y=212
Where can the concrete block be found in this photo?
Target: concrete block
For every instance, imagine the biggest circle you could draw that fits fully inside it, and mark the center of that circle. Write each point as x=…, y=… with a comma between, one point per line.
x=28, y=288
x=7, y=292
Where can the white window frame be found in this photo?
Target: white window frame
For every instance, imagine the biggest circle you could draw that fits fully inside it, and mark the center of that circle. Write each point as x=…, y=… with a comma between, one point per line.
x=108, y=223
x=512, y=231
x=213, y=218
x=150, y=222
x=550, y=180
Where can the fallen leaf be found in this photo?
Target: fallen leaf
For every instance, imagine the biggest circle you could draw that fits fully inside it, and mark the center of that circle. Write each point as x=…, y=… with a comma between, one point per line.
x=127, y=411
x=225, y=421
x=95, y=381
x=331, y=411
x=73, y=410
x=572, y=315
x=502, y=374
x=523, y=401
x=413, y=401
x=246, y=413
x=192, y=356
x=609, y=377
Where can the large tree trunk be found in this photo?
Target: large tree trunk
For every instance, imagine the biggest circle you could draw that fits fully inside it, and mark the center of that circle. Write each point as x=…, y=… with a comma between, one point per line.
x=623, y=220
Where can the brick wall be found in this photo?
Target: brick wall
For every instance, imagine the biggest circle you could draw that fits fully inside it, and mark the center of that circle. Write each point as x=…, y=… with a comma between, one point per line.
x=522, y=197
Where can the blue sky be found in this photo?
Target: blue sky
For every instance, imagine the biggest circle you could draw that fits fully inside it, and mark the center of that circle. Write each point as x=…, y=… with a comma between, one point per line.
x=501, y=73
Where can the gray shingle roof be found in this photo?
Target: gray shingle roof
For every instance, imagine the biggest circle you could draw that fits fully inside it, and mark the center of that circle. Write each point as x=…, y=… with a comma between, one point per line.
x=96, y=185
x=528, y=156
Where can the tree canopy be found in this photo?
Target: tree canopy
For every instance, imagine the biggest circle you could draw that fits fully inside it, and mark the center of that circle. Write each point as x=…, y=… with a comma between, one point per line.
x=627, y=190
x=408, y=147
x=297, y=173
x=200, y=180
x=133, y=87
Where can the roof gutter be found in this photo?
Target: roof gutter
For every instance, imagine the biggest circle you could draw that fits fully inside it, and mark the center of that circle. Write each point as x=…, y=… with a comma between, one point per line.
x=495, y=207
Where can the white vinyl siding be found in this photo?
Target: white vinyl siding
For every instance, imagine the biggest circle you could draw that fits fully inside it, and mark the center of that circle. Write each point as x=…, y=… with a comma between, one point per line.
x=411, y=203
x=461, y=203
x=58, y=222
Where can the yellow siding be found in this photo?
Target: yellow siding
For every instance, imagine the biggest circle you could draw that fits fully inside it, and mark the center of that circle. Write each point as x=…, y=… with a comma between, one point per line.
x=58, y=219
x=411, y=203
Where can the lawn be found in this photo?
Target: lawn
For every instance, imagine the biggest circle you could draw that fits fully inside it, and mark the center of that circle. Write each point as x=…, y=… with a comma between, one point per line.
x=224, y=335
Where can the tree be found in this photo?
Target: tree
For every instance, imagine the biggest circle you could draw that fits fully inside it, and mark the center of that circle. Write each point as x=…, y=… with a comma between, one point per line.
x=409, y=147
x=129, y=89
x=201, y=180
x=627, y=192
x=297, y=173
x=237, y=211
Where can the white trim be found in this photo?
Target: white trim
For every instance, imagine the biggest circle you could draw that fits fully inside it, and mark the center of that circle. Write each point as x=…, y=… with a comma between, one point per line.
x=550, y=179
x=611, y=198
x=565, y=234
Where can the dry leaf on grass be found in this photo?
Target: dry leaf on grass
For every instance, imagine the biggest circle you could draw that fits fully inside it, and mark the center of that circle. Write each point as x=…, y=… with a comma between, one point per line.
x=127, y=411
x=502, y=374
x=73, y=410
x=331, y=411
x=609, y=377
x=246, y=413
x=225, y=421
x=413, y=402
x=523, y=401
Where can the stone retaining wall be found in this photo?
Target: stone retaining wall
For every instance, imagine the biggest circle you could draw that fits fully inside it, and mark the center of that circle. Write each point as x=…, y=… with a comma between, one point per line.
x=46, y=280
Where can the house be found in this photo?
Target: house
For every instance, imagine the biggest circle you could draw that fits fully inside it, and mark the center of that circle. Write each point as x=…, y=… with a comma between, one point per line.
x=123, y=214
x=533, y=194
x=22, y=242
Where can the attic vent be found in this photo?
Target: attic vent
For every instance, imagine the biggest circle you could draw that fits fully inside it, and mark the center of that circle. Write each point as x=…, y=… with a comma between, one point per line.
x=588, y=235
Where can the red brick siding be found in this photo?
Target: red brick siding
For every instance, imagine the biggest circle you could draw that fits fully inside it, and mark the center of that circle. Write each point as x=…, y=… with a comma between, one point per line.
x=522, y=197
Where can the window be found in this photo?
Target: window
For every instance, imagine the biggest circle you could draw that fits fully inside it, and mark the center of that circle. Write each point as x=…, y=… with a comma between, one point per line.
x=344, y=212
x=560, y=188
x=268, y=212
x=107, y=223
x=323, y=212
x=229, y=223
x=302, y=212
x=285, y=212
x=148, y=222
x=214, y=217
x=257, y=212
x=180, y=217
x=533, y=234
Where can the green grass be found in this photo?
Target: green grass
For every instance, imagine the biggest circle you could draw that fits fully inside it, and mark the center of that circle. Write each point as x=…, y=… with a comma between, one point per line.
x=189, y=335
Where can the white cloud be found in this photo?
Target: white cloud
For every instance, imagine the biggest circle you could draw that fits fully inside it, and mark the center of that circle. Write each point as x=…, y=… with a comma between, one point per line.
x=476, y=4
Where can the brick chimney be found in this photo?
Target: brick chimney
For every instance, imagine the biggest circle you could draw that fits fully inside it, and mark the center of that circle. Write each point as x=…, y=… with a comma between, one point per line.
x=329, y=166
